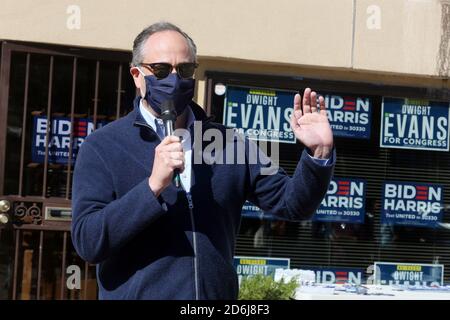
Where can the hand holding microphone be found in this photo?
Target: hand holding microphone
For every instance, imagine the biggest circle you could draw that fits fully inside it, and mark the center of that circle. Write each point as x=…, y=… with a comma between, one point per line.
x=169, y=117
x=169, y=154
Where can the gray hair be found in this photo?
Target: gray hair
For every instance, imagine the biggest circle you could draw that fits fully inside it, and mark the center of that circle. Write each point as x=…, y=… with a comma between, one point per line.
x=138, y=44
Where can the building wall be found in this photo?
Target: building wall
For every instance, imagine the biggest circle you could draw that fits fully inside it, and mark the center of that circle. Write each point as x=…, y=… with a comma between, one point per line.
x=336, y=74
x=395, y=36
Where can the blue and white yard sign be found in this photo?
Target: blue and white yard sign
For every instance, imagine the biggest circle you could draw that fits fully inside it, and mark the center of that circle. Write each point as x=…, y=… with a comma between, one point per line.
x=412, y=203
x=249, y=210
x=59, y=138
x=349, y=115
x=344, y=202
x=260, y=114
x=389, y=273
x=249, y=266
x=414, y=124
x=264, y=114
x=339, y=275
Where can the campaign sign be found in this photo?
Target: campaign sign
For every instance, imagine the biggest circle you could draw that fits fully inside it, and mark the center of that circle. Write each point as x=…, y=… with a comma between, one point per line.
x=249, y=266
x=414, y=124
x=249, y=210
x=59, y=138
x=260, y=114
x=331, y=275
x=389, y=273
x=264, y=114
x=411, y=203
x=344, y=202
x=349, y=115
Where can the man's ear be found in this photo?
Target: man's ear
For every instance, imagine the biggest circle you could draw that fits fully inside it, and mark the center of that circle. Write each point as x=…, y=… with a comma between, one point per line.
x=137, y=79
x=134, y=72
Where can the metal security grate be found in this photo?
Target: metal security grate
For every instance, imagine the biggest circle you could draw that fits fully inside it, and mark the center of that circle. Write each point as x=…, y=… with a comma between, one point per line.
x=65, y=93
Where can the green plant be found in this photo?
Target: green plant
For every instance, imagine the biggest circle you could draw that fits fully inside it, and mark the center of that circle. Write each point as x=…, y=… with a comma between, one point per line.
x=260, y=287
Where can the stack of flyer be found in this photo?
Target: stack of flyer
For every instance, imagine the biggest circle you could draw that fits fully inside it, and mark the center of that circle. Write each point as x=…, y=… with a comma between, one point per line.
x=303, y=277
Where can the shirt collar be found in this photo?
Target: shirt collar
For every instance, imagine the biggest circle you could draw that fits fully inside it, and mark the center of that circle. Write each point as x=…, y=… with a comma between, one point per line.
x=151, y=119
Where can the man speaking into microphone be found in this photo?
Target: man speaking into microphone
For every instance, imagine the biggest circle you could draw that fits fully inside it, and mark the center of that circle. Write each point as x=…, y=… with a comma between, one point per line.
x=160, y=225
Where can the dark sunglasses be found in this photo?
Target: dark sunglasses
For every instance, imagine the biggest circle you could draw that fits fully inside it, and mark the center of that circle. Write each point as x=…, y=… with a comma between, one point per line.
x=161, y=69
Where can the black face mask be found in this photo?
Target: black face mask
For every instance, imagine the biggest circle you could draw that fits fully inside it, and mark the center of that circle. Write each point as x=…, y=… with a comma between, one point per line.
x=172, y=87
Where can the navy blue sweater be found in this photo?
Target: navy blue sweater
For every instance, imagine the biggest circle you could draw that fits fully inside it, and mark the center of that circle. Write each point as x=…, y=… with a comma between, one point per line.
x=156, y=248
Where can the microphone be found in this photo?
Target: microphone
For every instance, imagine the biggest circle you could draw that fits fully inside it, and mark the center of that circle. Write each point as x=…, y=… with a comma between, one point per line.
x=169, y=116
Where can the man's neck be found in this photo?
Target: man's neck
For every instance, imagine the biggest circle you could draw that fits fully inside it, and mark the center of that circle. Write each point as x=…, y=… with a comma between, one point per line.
x=181, y=119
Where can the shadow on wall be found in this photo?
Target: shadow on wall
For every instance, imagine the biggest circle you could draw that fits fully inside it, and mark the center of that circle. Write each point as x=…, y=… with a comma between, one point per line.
x=443, y=59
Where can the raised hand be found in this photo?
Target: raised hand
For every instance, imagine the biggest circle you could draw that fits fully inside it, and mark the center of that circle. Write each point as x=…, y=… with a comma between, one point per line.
x=311, y=126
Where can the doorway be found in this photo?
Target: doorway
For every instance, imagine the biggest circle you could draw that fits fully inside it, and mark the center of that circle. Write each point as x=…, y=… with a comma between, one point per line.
x=51, y=98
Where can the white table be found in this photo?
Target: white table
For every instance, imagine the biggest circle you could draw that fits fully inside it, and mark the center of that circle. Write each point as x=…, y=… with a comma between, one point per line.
x=374, y=292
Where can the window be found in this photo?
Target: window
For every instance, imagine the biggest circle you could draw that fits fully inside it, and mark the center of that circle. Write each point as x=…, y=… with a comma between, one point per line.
x=348, y=246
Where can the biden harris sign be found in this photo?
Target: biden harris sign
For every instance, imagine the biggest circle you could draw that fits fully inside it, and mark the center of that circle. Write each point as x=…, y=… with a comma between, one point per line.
x=59, y=140
x=414, y=124
x=411, y=203
x=349, y=115
x=344, y=202
x=249, y=210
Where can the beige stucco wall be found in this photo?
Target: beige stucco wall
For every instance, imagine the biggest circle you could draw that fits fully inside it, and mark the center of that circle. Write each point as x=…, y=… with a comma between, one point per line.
x=406, y=40
x=337, y=74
